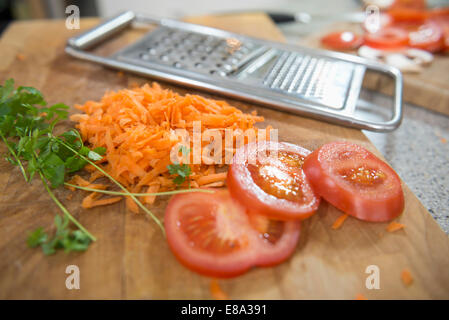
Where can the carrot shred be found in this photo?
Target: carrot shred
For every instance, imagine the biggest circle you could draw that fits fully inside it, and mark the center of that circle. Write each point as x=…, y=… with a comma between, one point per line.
x=395, y=226
x=217, y=184
x=339, y=222
x=360, y=296
x=77, y=180
x=211, y=178
x=216, y=292
x=95, y=175
x=89, y=200
x=151, y=189
x=406, y=277
x=104, y=202
x=137, y=125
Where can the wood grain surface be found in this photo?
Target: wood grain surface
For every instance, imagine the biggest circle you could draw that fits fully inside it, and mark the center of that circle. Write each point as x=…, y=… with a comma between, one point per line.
x=428, y=89
x=131, y=258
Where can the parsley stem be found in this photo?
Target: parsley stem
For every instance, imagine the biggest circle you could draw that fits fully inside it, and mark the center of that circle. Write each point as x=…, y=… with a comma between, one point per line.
x=126, y=191
x=165, y=193
x=11, y=150
x=64, y=210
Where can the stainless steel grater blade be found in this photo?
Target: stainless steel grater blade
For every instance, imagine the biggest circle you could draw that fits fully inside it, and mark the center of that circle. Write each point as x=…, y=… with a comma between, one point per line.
x=317, y=83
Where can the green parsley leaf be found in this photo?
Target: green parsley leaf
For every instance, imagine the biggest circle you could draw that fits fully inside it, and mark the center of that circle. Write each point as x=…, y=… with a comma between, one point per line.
x=37, y=238
x=26, y=127
x=181, y=170
x=53, y=169
x=64, y=238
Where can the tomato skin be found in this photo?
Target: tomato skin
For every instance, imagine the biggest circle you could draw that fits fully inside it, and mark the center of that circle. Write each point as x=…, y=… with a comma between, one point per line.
x=389, y=38
x=410, y=4
x=378, y=205
x=243, y=188
x=255, y=251
x=408, y=15
x=342, y=41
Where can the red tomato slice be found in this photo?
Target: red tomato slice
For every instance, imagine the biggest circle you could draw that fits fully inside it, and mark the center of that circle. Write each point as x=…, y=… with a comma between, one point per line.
x=276, y=188
x=213, y=235
x=428, y=36
x=355, y=181
x=389, y=38
x=411, y=4
x=345, y=40
x=408, y=15
x=408, y=10
x=443, y=23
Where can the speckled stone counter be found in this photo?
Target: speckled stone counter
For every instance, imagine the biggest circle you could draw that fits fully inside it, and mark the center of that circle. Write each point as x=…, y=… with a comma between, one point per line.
x=419, y=152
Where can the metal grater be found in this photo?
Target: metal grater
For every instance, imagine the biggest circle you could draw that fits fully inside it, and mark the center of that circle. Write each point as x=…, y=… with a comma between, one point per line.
x=317, y=83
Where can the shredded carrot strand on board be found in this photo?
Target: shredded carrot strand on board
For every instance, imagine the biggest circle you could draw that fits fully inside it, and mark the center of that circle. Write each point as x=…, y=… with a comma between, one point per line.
x=360, y=296
x=89, y=200
x=137, y=128
x=216, y=291
x=102, y=202
x=406, y=277
x=152, y=189
x=395, y=226
x=339, y=222
x=211, y=178
x=77, y=180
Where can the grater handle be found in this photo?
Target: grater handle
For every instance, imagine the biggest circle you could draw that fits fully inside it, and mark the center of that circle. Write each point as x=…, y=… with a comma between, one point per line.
x=397, y=101
x=102, y=31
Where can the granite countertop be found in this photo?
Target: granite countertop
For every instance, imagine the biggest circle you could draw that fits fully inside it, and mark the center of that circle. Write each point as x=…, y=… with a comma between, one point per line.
x=419, y=152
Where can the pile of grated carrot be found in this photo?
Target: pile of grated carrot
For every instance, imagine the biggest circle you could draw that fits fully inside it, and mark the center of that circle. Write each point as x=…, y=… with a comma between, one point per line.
x=136, y=128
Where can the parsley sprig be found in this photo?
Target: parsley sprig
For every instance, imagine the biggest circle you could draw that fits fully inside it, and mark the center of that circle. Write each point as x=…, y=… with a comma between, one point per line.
x=27, y=128
x=64, y=238
x=181, y=171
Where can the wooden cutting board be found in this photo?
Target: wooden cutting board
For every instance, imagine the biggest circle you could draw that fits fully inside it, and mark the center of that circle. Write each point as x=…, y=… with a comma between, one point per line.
x=428, y=89
x=131, y=258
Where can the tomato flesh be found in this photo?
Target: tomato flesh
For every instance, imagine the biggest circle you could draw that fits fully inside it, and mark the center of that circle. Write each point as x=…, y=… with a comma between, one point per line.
x=443, y=23
x=277, y=188
x=278, y=180
x=355, y=181
x=215, y=236
x=428, y=36
x=345, y=40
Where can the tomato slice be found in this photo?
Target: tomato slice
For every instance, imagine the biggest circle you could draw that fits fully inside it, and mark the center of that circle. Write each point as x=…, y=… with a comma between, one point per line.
x=355, y=181
x=408, y=15
x=342, y=41
x=213, y=235
x=276, y=187
x=427, y=36
x=443, y=23
x=410, y=4
x=389, y=38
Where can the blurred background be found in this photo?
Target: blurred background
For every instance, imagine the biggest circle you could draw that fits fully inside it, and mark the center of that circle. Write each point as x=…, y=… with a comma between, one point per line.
x=38, y=9
x=55, y=9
